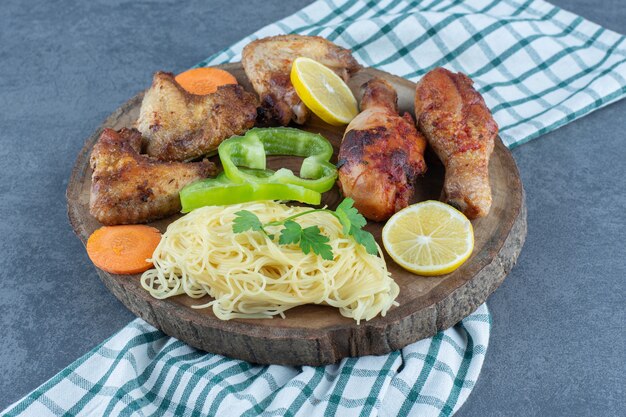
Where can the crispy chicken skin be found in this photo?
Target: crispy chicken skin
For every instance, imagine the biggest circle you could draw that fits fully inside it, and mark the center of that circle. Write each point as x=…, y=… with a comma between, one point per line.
x=179, y=126
x=461, y=130
x=128, y=188
x=267, y=63
x=381, y=154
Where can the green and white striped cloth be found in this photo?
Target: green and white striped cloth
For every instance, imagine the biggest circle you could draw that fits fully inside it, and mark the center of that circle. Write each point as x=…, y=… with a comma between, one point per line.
x=140, y=371
x=538, y=68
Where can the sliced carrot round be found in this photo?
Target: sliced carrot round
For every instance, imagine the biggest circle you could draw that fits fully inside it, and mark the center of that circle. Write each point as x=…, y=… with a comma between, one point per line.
x=123, y=249
x=203, y=81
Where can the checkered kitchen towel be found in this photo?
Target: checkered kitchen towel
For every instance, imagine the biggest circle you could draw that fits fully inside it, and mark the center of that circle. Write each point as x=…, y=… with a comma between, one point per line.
x=538, y=68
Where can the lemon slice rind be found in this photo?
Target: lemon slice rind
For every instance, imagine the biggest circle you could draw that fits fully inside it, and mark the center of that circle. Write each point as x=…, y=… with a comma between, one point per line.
x=323, y=91
x=429, y=238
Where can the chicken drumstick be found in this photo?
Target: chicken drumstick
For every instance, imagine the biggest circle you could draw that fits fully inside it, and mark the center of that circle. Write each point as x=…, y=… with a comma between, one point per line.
x=459, y=127
x=381, y=154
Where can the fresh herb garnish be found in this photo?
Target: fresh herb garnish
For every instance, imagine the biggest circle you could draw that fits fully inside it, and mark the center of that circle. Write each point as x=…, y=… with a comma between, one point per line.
x=311, y=238
x=246, y=220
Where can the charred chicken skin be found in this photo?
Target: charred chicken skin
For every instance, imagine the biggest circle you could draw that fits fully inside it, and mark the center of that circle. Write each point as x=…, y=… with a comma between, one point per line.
x=180, y=126
x=128, y=188
x=381, y=154
x=461, y=130
x=268, y=61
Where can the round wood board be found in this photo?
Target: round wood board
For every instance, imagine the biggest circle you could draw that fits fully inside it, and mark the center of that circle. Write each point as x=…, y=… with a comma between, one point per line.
x=318, y=335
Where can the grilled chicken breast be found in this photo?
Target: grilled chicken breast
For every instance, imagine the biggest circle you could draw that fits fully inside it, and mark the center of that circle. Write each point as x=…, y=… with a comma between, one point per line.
x=381, y=154
x=267, y=63
x=127, y=187
x=180, y=126
x=460, y=128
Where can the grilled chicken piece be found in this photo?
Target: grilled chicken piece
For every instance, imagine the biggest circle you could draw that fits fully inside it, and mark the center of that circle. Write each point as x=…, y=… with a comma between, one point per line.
x=127, y=187
x=180, y=126
x=381, y=154
x=267, y=63
x=459, y=127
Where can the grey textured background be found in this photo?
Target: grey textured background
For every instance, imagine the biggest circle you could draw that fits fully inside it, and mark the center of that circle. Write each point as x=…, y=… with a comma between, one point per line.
x=558, y=346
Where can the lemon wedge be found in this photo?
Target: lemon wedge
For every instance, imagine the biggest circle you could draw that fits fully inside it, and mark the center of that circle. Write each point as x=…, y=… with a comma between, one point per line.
x=323, y=92
x=429, y=238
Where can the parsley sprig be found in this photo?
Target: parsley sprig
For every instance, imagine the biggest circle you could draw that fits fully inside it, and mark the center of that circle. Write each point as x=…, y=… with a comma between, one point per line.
x=311, y=238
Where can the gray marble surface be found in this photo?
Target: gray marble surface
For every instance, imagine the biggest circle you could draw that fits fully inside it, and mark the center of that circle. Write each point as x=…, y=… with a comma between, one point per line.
x=558, y=346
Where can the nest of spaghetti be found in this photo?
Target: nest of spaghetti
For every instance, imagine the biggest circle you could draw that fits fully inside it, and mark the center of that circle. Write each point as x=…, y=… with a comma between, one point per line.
x=249, y=275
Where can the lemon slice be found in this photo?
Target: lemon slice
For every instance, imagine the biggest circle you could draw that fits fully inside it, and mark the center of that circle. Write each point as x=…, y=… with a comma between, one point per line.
x=323, y=92
x=429, y=238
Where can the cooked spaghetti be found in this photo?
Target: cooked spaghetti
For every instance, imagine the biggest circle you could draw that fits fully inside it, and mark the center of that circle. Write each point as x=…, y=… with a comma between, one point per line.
x=249, y=275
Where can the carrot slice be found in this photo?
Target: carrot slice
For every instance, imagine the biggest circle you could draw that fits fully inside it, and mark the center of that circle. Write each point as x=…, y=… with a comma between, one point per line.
x=123, y=249
x=203, y=81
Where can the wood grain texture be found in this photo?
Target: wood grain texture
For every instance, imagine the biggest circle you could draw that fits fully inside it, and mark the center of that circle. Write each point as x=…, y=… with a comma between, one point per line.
x=318, y=335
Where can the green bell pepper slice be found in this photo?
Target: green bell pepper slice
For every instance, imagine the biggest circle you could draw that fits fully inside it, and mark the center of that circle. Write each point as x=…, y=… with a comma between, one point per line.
x=223, y=191
x=250, y=150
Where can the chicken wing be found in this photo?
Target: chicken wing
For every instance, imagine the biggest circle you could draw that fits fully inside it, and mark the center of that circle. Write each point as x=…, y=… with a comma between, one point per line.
x=267, y=63
x=459, y=127
x=127, y=187
x=381, y=154
x=179, y=126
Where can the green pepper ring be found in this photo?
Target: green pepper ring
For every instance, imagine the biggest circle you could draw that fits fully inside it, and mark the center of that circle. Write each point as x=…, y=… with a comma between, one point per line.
x=222, y=191
x=250, y=150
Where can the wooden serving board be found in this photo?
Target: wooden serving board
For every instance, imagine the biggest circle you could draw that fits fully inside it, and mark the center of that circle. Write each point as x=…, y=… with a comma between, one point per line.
x=317, y=335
